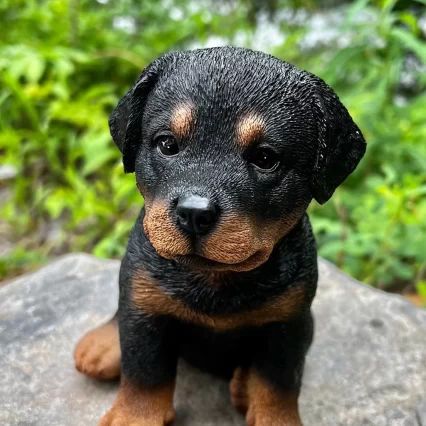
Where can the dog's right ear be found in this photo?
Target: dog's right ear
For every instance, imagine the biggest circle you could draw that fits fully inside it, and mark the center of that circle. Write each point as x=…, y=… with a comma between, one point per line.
x=125, y=122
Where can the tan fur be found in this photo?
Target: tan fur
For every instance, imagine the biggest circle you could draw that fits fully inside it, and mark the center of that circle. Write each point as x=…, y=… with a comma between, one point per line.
x=153, y=301
x=98, y=353
x=162, y=232
x=261, y=402
x=238, y=390
x=139, y=406
x=235, y=243
x=243, y=243
x=250, y=128
x=182, y=120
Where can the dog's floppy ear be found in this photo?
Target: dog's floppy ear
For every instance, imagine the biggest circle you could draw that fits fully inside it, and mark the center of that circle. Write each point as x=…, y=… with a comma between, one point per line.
x=125, y=122
x=341, y=144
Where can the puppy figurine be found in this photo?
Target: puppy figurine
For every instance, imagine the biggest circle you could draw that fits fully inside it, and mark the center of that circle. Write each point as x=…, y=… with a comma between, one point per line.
x=229, y=146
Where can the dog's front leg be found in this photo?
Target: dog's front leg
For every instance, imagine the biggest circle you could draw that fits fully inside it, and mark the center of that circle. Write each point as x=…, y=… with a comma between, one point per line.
x=267, y=392
x=148, y=371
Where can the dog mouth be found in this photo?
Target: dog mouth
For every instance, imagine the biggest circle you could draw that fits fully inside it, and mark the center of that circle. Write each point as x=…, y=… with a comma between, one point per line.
x=196, y=261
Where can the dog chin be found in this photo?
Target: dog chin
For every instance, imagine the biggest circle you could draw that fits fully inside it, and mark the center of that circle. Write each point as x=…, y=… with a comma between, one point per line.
x=197, y=262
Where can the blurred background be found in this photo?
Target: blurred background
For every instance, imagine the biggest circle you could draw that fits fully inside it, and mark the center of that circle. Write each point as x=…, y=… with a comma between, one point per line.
x=64, y=65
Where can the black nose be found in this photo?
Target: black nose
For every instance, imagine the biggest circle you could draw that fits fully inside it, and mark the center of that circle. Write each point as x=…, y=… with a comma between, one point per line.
x=196, y=214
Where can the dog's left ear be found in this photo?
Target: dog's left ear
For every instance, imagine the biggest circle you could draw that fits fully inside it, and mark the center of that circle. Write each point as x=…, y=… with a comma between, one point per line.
x=341, y=144
x=125, y=122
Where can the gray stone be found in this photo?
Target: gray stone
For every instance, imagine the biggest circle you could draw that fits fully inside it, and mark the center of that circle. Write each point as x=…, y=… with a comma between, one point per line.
x=421, y=413
x=367, y=365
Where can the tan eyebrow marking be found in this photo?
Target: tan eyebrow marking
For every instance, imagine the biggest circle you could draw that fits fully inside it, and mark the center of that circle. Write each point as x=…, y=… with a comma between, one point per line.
x=182, y=120
x=249, y=128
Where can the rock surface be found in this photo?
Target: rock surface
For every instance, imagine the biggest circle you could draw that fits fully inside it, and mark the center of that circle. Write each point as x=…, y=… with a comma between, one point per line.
x=367, y=365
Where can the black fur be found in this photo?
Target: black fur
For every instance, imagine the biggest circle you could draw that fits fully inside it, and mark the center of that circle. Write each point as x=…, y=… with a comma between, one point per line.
x=318, y=146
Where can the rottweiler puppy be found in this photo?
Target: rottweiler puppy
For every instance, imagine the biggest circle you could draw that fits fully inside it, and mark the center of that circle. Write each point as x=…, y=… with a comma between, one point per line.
x=229, y=146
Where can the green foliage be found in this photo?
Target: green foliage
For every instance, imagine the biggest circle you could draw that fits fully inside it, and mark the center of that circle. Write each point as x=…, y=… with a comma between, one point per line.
x=421, y=288
x=20, y=260
x=375, y=227
x=63, y=67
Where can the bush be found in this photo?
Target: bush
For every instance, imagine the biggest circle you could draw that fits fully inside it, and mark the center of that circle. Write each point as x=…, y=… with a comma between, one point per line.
x=63, y=66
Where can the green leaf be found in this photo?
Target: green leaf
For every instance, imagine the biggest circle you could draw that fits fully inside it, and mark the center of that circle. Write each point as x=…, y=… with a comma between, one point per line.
x=421, y=289
x=411, y=42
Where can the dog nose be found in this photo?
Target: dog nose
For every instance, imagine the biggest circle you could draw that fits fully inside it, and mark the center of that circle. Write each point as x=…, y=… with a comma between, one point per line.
x=196, y=214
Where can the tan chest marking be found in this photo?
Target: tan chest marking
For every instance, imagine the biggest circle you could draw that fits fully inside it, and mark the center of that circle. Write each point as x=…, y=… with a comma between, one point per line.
x=153, y=301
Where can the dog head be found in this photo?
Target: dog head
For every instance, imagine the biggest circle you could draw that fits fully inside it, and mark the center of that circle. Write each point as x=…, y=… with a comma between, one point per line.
x=229, y=147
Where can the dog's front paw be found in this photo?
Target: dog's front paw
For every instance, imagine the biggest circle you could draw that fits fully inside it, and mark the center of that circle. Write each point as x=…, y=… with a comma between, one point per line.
x=115, y=418
x=137, y=405
x=119, y=417
x=270, y=417
x=98, y=352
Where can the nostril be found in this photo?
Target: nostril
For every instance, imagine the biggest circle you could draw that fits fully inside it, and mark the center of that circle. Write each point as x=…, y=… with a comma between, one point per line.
x=204, y=219
x=195, y=214
x=182, y=215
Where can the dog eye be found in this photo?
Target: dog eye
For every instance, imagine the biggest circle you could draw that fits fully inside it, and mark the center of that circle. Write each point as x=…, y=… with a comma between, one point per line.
x=265, y=159
x=167, y=145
